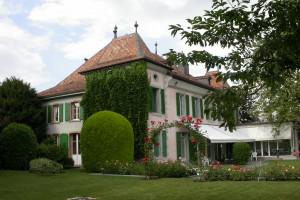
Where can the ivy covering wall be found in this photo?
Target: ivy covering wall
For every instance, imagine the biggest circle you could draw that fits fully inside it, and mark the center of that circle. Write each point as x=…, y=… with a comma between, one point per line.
x=125, y=90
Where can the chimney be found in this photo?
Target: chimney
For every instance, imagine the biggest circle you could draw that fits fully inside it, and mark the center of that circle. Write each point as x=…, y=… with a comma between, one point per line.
x=186, y=69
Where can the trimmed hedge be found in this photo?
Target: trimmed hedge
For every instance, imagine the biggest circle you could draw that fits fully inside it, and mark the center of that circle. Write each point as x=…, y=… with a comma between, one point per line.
x=241, y=153
x=45, y=166
x=18, y=145
x=106, y=136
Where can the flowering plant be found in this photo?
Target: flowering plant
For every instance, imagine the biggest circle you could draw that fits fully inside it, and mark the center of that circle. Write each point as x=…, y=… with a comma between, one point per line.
x=191, y=126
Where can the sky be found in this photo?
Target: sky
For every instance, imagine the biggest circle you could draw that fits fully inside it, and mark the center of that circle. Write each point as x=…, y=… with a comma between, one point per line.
x=42, y=41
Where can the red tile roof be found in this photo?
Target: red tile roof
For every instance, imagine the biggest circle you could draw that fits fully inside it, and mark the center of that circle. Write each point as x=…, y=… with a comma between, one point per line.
x=120, y=50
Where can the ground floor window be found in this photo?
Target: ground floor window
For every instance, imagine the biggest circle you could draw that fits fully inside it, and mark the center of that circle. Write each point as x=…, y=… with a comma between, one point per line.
x=75, y=143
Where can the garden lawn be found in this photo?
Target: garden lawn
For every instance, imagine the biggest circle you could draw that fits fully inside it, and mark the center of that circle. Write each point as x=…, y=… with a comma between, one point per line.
x=23, y=185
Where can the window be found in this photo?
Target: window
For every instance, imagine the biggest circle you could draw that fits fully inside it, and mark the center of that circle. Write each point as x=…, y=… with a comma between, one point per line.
x=55, y=139
x=75, y=144
x=75, y=110
x=160, y=147
x=197, y=107
x=157, y=100
x=182, y=102
x=55, y=113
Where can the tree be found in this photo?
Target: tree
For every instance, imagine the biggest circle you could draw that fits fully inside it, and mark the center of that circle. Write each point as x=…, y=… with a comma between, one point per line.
x=264, y=43
x=280, y=107
x=20, y=103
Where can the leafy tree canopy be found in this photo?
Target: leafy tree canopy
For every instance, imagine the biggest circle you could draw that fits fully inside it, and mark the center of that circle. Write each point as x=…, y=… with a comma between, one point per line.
x=20, y=103
x=264, y=43
x=280, y=107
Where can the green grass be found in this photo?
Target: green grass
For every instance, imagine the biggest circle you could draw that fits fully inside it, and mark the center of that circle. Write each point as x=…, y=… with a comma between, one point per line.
x=23, y=185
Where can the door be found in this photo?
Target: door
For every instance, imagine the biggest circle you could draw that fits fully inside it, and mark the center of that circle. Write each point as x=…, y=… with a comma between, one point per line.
x=75, y=145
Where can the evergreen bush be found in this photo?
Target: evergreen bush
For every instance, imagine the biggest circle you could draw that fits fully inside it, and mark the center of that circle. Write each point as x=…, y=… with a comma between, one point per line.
x=18, y=145
x=45, y=166
x=106, y=136
x=241, y=153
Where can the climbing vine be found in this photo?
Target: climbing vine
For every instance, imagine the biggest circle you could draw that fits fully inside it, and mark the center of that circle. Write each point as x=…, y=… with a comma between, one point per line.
x=123, y=89
x=191, y=127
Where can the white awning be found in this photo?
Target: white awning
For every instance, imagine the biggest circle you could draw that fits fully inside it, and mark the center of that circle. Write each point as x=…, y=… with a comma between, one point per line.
x=245, y=133
x=219, y=135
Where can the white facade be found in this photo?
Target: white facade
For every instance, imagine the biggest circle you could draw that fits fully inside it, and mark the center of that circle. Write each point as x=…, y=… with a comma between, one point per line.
x=161, y=80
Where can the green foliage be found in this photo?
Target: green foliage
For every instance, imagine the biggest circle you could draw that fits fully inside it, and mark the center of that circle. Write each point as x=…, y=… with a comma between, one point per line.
x=282, y=106
x=49, y=150
x=18, y=145
x=167, y=170
x=20, y=103
x=123, y=90
x=241, y=153
x=106, y=136
x=124, y=168
x=45, y=166
x=263, y=40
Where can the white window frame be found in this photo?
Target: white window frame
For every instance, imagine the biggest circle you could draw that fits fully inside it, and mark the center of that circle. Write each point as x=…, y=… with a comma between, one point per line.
x=157, y=100
x=197, y=107
x=77, y=111
x=55, y=116
x=182, y=104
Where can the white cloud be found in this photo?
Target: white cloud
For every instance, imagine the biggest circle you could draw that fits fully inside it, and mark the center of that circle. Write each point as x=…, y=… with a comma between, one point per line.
x=9, y=8
x=20, y=53
x=97, y=18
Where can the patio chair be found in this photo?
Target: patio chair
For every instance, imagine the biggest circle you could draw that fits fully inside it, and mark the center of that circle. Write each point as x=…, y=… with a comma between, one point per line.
x=205, y=161
x=254, y=156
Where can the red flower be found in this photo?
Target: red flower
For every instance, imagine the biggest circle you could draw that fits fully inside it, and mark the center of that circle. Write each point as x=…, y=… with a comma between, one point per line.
x=182, y=119
x=189, y=118
x=152, y=123
x=199, y=120
x=166, y=120
x=147, y=129
x=146, y=139
x=157, y=144
x=194, y=141
x=296, y=153
x=146, y=159
x=159, y=123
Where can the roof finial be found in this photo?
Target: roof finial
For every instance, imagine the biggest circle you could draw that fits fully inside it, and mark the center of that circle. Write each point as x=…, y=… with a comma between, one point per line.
x=136, y=26
x=155, y=48
x=115, y=31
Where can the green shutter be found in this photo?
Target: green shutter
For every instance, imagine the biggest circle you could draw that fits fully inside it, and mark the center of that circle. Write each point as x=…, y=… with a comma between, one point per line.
x=156, y=147
x=201, y=108
x=81, y=113
x=178, y=143
x=193, y=106
x=187, y=103
x=67, y=111
x=61, y=112
x=49, y=113
x=164, y=143
x=162, y=96
x=178, y=104
x=63, y=141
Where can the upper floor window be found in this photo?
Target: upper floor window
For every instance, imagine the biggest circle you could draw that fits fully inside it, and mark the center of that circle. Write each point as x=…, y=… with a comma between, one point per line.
x=55, y=113
x=157, y=100
x=183, y=106
x=75, y=106
x=197, y=106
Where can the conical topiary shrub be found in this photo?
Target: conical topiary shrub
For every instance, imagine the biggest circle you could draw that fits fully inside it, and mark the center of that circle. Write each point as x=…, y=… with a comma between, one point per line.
x=106, y=136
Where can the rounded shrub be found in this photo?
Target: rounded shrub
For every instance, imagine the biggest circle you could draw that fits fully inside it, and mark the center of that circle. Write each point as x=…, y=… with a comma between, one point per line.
x=45, y=166
x=106, y=136
x=18, y=145
x=241, y=153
